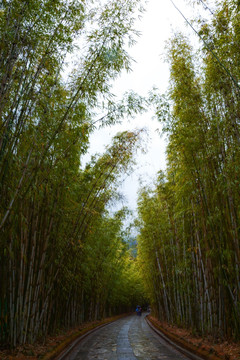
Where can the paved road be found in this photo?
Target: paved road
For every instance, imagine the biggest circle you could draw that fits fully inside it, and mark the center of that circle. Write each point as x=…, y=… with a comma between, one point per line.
x=128, y=338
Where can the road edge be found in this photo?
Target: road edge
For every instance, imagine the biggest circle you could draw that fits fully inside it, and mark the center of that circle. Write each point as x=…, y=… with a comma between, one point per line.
x=69, y=343
x=180, y=344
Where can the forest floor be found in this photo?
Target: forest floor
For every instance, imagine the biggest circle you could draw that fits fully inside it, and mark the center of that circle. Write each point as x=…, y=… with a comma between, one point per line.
x=209, y=348
x=52, y=345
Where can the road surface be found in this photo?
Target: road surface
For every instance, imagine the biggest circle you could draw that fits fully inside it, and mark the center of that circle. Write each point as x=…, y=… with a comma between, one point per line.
x=129, y=338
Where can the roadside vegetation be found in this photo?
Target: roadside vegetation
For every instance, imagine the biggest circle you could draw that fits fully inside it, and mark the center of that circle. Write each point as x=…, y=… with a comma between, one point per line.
x=64, y=258
x=189, y=223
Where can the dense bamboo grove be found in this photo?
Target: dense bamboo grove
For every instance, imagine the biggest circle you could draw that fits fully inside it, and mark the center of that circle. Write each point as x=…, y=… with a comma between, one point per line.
x=189, y=237
x=63, y=259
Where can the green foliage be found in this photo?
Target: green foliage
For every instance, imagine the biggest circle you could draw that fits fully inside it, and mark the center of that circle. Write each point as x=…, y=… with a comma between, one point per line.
x=189, y=225
x=61, y=254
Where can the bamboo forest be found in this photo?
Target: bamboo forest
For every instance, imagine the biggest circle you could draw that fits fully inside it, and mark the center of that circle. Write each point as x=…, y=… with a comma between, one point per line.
x=66, y=256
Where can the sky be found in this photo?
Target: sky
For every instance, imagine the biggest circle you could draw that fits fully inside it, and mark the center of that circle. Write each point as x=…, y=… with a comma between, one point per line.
x=149, y=69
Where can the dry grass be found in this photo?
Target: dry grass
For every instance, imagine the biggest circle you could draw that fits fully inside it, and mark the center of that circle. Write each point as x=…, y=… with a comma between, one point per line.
x=48, y=349
x=224, y=350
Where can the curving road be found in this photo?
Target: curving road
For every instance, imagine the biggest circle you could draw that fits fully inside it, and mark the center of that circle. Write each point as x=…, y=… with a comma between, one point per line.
x=128, y=338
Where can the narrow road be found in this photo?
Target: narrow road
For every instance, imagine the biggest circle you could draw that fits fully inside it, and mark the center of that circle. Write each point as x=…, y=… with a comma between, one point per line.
x=128, y=338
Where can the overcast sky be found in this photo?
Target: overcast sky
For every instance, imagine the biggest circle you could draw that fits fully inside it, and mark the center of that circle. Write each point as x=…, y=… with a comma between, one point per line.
x=157, y=25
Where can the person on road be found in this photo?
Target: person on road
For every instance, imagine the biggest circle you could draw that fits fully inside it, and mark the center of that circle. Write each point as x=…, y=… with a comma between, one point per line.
x=139, y=310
